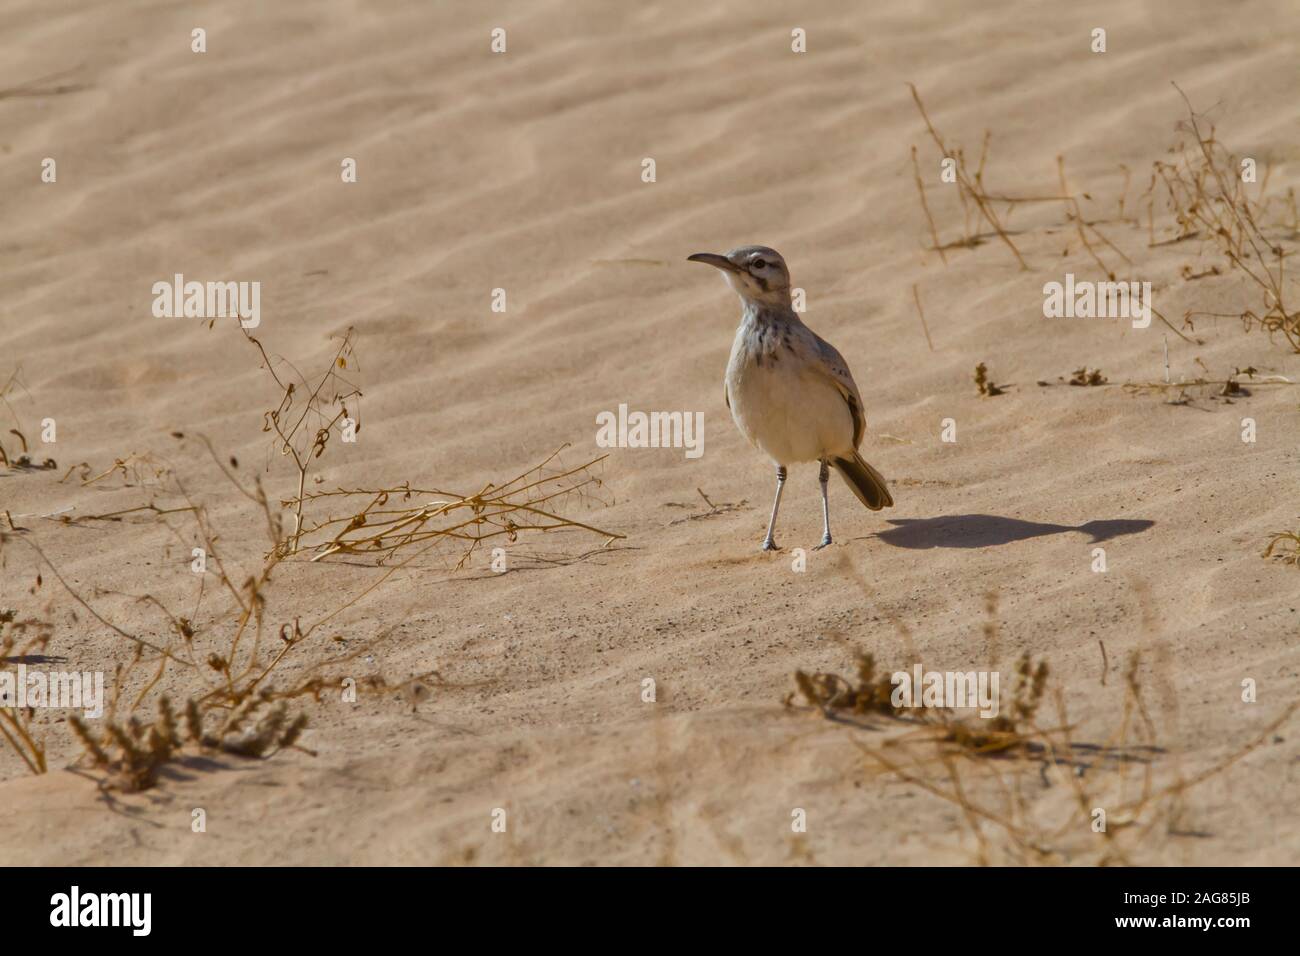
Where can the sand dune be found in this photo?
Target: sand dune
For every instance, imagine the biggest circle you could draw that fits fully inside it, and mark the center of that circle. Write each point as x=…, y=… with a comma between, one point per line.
x=523, y=171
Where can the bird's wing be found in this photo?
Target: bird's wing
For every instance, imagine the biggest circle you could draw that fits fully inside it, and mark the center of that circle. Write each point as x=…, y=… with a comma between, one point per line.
x=830, y=363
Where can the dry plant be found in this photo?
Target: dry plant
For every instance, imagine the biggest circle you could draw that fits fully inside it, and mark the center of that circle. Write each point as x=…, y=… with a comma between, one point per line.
x=956, y=749
x=920, y=313
x=1285, y=546
x=21, y=638
x=958, y=753
x=1197, y=191
x=238, y=708
x=1087, y=377
x=242, y=711
x=1209, y=201
x=984, y=383
x=132, y=753
x=235, y=651
x=1206, y=191
x=134, y=471
x=975, y=201
x=1232, y=385
x=304, y=419
x=872, y=693
x=380, y=523
x=720, y=508
x=1084, y=227
x=21, y=459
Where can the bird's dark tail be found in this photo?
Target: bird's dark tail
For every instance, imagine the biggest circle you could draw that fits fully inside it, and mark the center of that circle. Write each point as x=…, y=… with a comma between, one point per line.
x=867, y=483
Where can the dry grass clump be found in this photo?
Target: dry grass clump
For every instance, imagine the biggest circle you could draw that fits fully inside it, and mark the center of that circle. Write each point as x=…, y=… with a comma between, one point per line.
x=979, y=204
x=1095, y=776
x=872, y=693
x=20, y=459
x=372, y=527
x=133, y=470
x=24, y=461
x=976, y=203
x=237, y=707
x=1007, y=731
x=1235, y=384
x=132, y=753
x=379, y=522
x=234, y=651
x=1051, y=799
x=1208, y=197
x=1285, y=547
x=306, y=417
x=21, y=638
x=1204, y=191
x=985, y=384
x=1085, y=376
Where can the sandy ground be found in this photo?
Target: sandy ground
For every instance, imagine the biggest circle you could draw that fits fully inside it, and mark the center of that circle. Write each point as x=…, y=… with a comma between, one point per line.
x=523, y=171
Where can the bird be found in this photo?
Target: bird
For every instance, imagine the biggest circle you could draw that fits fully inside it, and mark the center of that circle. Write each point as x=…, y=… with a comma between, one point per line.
x=790, y=391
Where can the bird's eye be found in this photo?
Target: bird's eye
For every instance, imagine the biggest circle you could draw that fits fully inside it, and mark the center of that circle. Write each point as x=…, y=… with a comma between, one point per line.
x=759, y=264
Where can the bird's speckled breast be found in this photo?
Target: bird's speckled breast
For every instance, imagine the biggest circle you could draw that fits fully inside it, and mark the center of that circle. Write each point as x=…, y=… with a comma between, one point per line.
x=781, y=404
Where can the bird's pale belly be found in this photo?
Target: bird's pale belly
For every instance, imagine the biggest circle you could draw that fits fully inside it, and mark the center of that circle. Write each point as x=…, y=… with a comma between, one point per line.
x=791, y=415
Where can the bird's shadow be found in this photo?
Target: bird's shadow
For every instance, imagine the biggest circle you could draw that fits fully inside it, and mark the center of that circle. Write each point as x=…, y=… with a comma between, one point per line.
x=987, y=531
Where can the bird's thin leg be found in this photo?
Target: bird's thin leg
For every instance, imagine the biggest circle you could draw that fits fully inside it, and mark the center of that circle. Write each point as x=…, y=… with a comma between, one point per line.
x=768, y=543
x=825, y=476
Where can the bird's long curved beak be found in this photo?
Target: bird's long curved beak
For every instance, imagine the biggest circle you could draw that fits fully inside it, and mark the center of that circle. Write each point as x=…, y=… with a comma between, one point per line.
x=713, y=259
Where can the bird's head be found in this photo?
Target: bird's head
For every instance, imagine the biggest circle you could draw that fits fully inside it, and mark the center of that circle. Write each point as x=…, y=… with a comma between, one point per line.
x=757, y=273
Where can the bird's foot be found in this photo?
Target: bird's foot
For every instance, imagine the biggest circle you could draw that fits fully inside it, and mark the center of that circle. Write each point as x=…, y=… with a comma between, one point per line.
x=770, y=545
x=826, y=539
